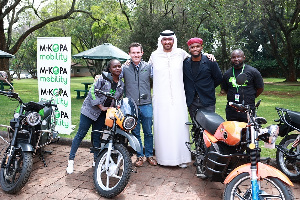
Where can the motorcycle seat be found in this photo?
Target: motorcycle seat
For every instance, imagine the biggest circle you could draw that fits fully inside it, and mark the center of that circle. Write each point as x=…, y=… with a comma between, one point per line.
x=209, y=120
x=295, y=118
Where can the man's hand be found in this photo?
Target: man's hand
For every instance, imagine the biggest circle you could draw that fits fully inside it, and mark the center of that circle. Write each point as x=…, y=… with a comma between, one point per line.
x=127, y=62
x=97, y=77
x=259, y=91
x=211, y=57
x=102, y=107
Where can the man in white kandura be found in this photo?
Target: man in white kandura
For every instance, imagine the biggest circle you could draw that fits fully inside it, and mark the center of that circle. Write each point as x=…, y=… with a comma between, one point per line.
x=169, y=104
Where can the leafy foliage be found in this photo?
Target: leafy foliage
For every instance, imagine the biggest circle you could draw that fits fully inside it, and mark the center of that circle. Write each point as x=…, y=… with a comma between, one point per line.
x=266, y=30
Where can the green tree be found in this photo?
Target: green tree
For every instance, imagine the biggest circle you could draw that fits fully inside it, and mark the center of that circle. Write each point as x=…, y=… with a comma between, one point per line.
x=150, y=17
x=279, y=21
x=107, y=23
x=25, y=58
x=13, y=15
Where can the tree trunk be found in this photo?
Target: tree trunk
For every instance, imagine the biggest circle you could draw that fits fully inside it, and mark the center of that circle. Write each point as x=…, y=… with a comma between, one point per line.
x=289, y=69
x=224, y=59
x=292, y=75
x=3, y=46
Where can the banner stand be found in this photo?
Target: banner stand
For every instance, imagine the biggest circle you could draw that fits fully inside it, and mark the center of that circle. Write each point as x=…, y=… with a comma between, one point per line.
x=53, y=73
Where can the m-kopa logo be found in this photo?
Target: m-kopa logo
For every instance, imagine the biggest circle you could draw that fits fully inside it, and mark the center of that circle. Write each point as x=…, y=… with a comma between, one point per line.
x=54, y=92
x=54, y=52
x=54, y=74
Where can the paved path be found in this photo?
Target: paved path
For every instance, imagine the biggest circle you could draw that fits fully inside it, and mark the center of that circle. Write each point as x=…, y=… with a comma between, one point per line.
x=148, y=182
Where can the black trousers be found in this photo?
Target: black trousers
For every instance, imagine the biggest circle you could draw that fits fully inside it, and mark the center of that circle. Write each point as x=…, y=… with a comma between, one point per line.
x=196, y=104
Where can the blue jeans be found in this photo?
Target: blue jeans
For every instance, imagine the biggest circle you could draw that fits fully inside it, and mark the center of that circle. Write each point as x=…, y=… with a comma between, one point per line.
x=145, y=118
x=84, y=125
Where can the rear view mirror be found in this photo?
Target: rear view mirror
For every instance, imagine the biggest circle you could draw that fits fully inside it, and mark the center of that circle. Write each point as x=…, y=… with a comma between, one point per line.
x=241, y=79
x=3, y=75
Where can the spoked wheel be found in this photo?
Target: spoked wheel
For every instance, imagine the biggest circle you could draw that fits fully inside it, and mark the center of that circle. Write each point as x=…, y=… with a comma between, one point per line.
x=270, y=188
x=14, y=178
x=111, y=180
x=290, y=165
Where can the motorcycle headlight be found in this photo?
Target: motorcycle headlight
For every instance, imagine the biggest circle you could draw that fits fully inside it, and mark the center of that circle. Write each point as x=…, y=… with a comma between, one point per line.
x=129, y=123
x=273, y=130
x=33, y=118
x=269, y=134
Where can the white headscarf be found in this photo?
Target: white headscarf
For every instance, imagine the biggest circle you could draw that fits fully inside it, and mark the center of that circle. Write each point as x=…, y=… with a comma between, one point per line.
x=168, y=34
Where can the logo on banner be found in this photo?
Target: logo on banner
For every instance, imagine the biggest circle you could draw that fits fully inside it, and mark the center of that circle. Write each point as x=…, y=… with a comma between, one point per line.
x=57, y=50
x=56, y=75
x=54, y=78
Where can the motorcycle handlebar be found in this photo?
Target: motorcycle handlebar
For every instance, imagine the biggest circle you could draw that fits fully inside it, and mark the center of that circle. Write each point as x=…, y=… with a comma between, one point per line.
x=10, y=94
x=49, y=104
x=239, y=107
x=107, y=94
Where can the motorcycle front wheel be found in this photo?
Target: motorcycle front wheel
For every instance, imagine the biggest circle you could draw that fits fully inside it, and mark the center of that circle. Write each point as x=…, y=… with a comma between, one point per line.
x=289, y=165
x=14, y=178
x=270, y=188
x=112, y=180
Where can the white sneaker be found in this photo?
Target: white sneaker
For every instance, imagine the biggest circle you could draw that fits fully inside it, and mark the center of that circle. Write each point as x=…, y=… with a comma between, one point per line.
x=70, y=167
x=183, y=165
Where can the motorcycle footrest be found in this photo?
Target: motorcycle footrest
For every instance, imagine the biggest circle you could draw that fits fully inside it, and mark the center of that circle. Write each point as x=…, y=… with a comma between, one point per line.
x=188, y=145
x=93, y=149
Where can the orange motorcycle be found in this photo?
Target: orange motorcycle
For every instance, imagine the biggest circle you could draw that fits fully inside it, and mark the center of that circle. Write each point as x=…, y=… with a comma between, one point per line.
x=113, y=166
x=256, y=180
x=219, y=145
x=228, y=150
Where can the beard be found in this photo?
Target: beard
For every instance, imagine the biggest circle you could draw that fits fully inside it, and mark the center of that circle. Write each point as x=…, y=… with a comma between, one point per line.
x=239, y=65
x=196, y=56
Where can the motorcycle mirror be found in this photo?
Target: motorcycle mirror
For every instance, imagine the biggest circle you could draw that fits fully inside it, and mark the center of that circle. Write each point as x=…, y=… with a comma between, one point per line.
x=241, y=79
x=258, y=103
x=3, y=75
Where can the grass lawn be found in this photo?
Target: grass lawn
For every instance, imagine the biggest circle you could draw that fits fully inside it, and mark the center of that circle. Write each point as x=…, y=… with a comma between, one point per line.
x=276, y=94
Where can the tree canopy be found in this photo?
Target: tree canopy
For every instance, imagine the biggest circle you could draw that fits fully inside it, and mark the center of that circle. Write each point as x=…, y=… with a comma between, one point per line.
x=266, y=30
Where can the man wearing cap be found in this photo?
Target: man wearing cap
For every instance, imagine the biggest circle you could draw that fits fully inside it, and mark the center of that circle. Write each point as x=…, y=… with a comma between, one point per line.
x=200, y=76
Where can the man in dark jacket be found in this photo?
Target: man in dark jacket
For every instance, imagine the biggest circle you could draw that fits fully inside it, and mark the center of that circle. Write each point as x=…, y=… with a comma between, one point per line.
x=245, y=93
x=137, y=77
x=200, y=76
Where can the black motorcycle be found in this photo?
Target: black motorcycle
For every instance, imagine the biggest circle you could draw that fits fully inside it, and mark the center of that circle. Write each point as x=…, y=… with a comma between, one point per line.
x=32, y=127
x=288, y=150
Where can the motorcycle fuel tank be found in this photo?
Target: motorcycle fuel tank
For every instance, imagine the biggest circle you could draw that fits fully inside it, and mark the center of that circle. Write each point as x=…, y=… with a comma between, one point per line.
x=230, y=132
